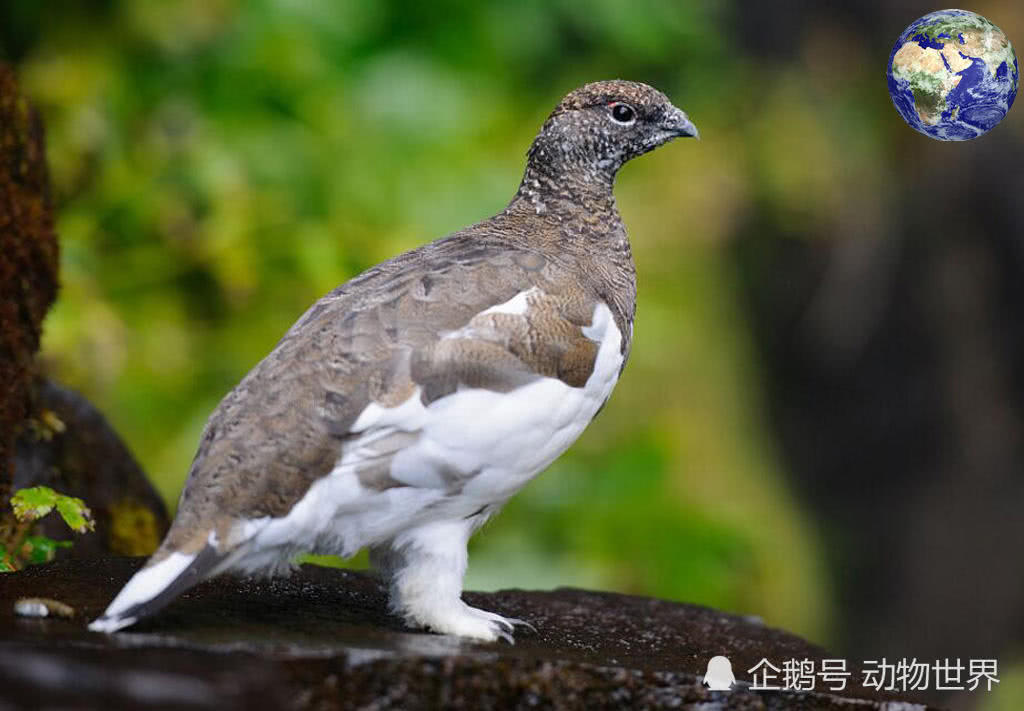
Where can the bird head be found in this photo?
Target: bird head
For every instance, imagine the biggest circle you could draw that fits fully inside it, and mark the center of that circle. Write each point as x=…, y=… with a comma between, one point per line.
x=595, y=129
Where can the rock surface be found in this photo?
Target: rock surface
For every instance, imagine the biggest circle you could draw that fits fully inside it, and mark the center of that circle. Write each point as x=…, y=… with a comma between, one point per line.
x=323, y=639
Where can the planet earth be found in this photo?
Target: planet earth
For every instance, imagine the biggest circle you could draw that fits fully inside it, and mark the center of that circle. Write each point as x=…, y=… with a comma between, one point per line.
x=953, y=75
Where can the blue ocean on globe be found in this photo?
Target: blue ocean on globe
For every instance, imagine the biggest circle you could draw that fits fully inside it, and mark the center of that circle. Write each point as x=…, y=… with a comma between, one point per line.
x=953, y=75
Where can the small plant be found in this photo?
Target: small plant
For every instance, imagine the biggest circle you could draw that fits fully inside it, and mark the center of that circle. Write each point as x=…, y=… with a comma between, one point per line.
x=19, y=546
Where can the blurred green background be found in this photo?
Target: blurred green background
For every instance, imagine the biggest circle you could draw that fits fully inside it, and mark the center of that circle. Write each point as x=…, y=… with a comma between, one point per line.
x=218, y=165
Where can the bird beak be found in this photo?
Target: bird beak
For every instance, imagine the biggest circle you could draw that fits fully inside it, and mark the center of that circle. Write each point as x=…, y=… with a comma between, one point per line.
x=678, y=124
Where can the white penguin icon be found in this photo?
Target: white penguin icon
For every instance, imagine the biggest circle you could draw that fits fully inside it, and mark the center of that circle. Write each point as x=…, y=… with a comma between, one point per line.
x=719, y=676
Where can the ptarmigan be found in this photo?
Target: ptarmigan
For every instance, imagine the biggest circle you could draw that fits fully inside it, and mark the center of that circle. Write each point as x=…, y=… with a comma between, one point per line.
x=404, y=408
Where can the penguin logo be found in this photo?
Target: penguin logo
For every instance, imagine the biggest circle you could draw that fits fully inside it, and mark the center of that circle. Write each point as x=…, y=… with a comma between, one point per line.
x=719, y=676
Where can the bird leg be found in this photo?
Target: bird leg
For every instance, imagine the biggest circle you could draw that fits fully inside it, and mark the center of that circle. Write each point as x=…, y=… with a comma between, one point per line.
x=424, y=567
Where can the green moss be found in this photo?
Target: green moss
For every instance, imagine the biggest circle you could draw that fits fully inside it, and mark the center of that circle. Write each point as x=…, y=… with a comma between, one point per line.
x=133, y=529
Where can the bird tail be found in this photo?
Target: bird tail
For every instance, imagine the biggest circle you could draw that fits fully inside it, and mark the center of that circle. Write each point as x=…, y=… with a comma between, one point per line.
x=158, y=583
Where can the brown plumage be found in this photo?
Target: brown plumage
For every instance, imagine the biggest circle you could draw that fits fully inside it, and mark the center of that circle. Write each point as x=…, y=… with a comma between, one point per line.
x=509, y=306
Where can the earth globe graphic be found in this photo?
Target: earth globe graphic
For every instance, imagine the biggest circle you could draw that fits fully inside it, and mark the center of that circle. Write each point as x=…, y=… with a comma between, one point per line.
x=953, y=75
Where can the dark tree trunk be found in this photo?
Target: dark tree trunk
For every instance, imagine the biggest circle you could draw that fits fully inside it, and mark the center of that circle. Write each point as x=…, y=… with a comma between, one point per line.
x=28, y=260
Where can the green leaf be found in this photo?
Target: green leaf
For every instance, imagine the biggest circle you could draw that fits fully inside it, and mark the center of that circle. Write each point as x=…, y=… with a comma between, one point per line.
x=75, y=513
x=6, y=565
x=41, y=549
x=33, y=503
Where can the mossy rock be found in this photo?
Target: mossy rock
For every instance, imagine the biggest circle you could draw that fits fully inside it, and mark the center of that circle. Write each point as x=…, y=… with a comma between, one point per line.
x=67, y=445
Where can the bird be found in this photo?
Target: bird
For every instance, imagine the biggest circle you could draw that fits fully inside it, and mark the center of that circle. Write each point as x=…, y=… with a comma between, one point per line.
x=404, y=408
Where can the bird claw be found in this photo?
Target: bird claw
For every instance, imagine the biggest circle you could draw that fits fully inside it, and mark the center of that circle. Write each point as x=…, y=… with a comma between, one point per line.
x=516, y=622
x=470, y=623
x=510, y=623
x=506, y=623
x=506, y=626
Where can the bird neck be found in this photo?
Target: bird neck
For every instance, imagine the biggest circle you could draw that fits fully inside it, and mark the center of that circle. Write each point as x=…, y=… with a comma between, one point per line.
x=549, y=188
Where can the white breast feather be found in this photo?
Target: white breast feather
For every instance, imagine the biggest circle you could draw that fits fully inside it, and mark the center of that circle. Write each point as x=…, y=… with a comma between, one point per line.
x=499, y=441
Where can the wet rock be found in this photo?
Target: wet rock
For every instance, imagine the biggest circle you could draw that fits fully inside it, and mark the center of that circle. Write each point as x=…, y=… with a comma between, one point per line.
x=69, y=446
x=323, y=639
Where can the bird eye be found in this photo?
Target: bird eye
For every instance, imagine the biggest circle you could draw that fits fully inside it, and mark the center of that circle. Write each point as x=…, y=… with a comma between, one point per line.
x=623, y=113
